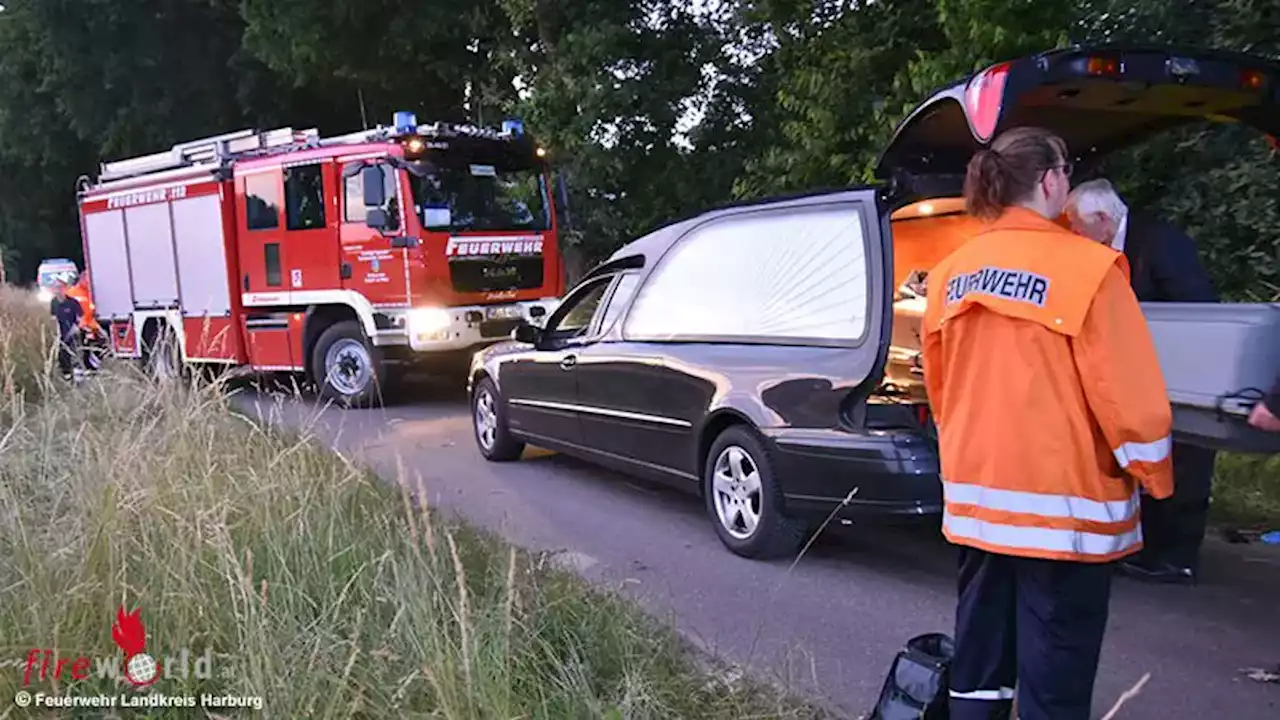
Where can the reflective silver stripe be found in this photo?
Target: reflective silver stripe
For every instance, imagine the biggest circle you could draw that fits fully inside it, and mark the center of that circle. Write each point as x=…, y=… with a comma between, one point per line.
x=1046, y=504
x=1034, y=538
x=1152, y=452
x=1003, y=693
x=601, y=411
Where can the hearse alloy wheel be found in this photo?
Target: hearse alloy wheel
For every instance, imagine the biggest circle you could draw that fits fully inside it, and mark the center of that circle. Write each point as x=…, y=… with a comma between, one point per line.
x=489, y=420
x=744, y=500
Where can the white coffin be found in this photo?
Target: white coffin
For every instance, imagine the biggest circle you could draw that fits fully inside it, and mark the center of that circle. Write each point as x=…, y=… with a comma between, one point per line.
x=907, y=317
x=1218, y=360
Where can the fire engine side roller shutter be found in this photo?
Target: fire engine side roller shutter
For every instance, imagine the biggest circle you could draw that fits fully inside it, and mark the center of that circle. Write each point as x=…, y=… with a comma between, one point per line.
x=155, y=281
x=197, y=224
x=109, y=260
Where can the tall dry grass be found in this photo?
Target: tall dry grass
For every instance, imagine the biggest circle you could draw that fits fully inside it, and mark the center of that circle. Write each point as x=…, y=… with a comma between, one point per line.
x=1246, y=491
x=319, y=588
x=27, y=337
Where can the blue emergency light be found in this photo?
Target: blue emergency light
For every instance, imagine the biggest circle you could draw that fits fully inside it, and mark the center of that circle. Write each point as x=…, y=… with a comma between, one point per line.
x=513, y=126
x=405, y=122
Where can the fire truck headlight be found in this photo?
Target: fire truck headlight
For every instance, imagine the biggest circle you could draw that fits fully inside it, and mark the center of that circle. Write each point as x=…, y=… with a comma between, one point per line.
x=44, y=295
x=428, y=323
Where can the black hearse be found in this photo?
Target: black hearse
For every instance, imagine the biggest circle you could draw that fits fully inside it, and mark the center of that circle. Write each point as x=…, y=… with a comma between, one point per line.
x=765, y=355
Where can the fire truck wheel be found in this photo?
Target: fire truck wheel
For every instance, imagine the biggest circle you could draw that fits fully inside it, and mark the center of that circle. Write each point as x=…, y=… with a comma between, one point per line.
x=347, y=367
x=164, y=359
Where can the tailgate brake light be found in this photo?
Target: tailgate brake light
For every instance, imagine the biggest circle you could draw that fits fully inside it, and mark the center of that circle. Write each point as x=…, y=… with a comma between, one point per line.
x=1180, y=68
x=1253, y=79
x=983, y=98
x=1103, y=66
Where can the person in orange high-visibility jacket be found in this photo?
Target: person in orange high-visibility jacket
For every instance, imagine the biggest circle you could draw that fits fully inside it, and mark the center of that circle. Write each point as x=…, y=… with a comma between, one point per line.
x=1052, y=415
x=83, y=295
x=92, y=339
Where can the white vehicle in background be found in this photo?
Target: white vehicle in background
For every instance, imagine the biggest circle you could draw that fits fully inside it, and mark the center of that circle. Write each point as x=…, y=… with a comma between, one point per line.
x=52, y=271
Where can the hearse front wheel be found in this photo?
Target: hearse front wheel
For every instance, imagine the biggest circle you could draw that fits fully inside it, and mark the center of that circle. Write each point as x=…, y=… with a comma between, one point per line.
x=744, y=500
x=489, y=419
x=347, y=367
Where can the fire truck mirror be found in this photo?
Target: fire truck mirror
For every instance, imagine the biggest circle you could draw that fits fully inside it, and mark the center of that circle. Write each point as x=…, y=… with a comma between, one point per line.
x=376, y=218
x=375, y=194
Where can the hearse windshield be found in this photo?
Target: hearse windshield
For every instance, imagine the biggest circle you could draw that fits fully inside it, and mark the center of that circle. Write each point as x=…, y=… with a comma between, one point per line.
x=479, y=196
x=50, y=277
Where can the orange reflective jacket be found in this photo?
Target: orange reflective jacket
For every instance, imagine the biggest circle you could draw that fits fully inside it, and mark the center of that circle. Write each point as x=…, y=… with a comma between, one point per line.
x=81, y=292
x=1047, y=392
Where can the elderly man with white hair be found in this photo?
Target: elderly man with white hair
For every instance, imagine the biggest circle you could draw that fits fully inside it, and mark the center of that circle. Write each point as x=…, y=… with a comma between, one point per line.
x=1164, y=262
x=1164, y=267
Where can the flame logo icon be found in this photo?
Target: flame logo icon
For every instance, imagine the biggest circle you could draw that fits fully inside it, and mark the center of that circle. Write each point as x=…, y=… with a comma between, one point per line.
x=130, y=635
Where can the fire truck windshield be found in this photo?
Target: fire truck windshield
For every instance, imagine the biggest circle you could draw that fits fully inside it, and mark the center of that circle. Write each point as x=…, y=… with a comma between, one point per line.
x=479, y=197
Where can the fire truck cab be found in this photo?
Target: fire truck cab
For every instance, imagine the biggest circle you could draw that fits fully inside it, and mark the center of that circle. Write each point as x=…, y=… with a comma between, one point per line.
x=337, y=258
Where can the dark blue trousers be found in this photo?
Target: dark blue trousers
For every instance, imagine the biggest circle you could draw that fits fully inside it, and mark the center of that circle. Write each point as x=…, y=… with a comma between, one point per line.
x=1036, y=625
x=1173, y=529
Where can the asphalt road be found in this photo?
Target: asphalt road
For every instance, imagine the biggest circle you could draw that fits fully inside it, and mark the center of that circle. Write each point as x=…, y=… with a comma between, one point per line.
x=830, y=625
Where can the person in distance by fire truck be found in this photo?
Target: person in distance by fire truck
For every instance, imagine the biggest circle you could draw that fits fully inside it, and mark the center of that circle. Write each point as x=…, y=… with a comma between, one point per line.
x=90, y=335
x=67, y=312
x=1051, y=410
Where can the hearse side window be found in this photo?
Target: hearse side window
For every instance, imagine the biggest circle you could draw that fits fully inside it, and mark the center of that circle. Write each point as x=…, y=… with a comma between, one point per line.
x=574, y=318
x=262, y=201
x=795, y=275
x=304, y=197
x=353, y=203
x=622, y=292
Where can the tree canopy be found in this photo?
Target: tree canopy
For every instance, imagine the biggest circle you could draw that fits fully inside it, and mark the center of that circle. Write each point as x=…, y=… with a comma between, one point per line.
x=652, y=109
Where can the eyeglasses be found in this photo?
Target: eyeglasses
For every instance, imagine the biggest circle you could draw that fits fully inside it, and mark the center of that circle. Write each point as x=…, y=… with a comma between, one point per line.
x=1065, y=167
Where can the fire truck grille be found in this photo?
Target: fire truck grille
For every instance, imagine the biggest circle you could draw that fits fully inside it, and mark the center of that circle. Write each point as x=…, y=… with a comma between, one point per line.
x=495, y=273
x=497, y=328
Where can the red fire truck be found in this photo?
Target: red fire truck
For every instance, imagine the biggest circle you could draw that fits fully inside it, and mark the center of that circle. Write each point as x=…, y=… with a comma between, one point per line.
x=338, y=258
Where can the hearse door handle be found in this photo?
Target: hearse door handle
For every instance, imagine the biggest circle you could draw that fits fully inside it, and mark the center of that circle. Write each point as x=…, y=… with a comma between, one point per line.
x=568, y=362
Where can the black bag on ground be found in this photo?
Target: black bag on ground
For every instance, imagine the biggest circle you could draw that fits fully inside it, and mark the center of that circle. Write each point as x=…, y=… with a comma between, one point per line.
x=917, y=687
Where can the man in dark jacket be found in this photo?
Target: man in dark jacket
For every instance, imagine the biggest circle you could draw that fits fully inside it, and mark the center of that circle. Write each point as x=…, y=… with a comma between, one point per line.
x=1164, y=267
x=67, y=311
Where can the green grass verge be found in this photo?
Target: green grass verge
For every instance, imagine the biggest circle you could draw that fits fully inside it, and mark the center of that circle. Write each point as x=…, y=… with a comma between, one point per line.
x=1246, y=491
x=308, y=582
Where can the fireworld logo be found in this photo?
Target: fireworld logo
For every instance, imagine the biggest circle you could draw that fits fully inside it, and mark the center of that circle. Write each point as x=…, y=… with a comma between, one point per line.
x=130, y=635
x=138, y=667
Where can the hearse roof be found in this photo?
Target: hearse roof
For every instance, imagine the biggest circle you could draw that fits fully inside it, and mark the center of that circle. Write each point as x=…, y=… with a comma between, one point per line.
x=646, y=250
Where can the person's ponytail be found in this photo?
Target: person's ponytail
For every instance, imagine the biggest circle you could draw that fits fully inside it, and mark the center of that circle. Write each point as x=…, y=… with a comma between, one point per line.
x=985, y=186
x=1007, y=173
